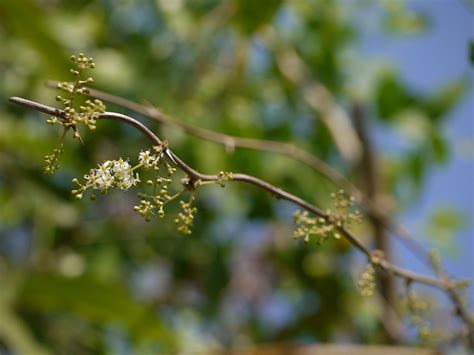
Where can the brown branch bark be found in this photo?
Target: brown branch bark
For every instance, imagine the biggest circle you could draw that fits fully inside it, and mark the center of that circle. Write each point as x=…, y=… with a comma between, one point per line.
x=368, y=173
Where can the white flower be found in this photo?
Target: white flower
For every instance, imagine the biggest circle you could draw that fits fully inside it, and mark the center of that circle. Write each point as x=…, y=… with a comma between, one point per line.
x=91, y=179
x=146, y=158
x=120, y=167
x=127, y=181
x=112, y=174
x=105, y=180
x=101, y=178
x=105, y=166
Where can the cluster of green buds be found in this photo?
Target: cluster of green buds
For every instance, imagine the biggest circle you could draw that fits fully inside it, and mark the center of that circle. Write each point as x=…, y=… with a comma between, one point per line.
x=324, y=227
x=86, y=114
x=223, y=177
x=366, y=281
x=185, y=219
x=419, y=309
x=112, y=174
x=343, y=216
x=151, y=204
x=89, y=112
x=312, y=226
x=52, y=160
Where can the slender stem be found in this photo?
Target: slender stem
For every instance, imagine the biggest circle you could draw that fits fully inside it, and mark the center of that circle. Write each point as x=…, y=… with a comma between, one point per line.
x=203, y=183
x=65, y=129
x=154, y=187
x=194, y=174
x=444, y=283
x=173, y=197
x=136, y=167
x=373, y=208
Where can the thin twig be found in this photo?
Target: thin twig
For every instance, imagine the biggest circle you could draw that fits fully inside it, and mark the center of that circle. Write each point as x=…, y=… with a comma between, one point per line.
x=277, y=192
x=373, y=209
x=374, y=257
x=230, y=142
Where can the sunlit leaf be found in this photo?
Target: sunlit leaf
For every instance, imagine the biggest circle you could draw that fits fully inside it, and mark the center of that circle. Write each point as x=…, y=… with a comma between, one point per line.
x=445, y=100
x=440, y=148
x=442, y=227
x=392, y=97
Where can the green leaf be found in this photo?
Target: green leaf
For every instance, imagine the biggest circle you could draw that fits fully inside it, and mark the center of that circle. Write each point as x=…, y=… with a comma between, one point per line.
x=416, y=165
x=392, y=97
x=440, y=148
x=405, y=23
x=252, y=14
x=441, y=103
x=24, y=17
x=441, y=227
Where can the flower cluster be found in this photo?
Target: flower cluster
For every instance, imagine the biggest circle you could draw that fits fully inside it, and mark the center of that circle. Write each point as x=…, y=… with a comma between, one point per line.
x=366, y=281
x=112, y=174
x=52, y=161
x=118, y=174
x=155, y=158
x=86, y=114
x=324, y=227
x=310, y=226
x=89, y=112
x=147, y=159
x=418, y=310
x=156, y=201
x=151, y=204
x=223, y=177
x=343, y=216
x=185, y=219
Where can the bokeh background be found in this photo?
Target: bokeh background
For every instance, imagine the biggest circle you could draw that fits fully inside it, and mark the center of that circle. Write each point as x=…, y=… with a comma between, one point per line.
x=92, y=277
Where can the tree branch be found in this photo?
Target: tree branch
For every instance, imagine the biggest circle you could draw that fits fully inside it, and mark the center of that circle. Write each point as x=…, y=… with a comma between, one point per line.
x=369, y=175
x=374, y=209
x=373, y=256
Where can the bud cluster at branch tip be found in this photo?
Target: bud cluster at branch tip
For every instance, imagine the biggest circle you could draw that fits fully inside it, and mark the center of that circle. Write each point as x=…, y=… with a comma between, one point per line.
x=74, y=114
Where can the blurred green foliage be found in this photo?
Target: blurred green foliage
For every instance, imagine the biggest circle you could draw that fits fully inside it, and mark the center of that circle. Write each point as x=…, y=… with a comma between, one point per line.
x=442, y=227
x=86, y=277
